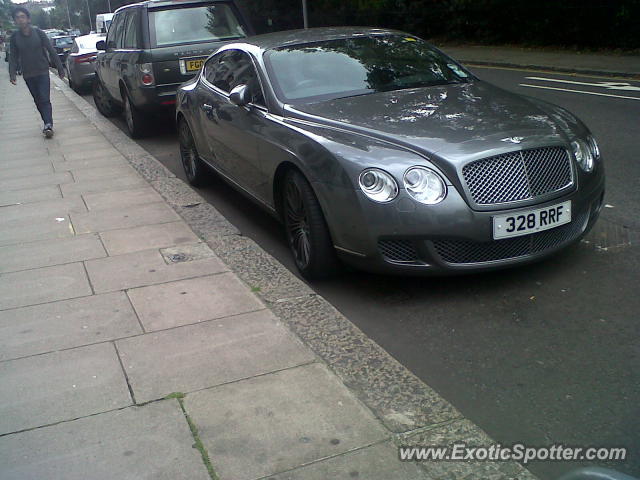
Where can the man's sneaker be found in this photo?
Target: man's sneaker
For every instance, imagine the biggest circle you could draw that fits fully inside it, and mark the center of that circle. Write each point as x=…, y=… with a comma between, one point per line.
x=48, y=131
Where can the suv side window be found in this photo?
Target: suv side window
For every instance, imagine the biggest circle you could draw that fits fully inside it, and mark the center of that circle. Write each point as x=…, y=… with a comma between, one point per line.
x=232, y=68
x=131, y=29
x=113, y=31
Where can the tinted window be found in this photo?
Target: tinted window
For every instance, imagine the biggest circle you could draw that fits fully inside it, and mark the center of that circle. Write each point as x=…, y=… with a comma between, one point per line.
x=115, y=32
x=75, y=48
x=357, y=66
x=131, y=29
x=194, y=24
x=232, y=68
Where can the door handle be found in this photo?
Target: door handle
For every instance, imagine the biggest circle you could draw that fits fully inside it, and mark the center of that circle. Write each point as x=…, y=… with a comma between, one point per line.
x=207, y=108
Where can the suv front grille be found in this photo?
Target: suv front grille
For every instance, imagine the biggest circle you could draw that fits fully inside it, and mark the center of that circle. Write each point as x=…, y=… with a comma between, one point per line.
x=464, y=251
x=521, y=175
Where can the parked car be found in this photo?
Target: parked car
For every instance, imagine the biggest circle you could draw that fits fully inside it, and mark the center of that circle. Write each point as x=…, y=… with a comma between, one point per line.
x=53, y=32
x=81, y=61
x=154, y=46
x=62, y=45
x=375, y=148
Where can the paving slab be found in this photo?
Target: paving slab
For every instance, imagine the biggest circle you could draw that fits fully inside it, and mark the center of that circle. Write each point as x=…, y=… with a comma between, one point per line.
x=378, y=462
x=66, y=165
x=66, y=324
x=65, y=385
x=35, y=181
x=21, y=162
x=41, y=285
x=29, y=195
x=276, y=422
x=194, y=357
x=103, y=220
x=105, y=172
x=118, y=242
x=50, y=252
x=123, y=199
x=94, y=153
x=84, y=141
x=137, y=443
x=145, y=268
x=30, y=230
x=99, y=186
x=191, y=301
x=59, y=207
x=26, y=170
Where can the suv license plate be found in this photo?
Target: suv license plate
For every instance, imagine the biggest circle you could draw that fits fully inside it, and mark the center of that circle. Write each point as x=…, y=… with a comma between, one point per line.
x=531, y=221
x=194, y=65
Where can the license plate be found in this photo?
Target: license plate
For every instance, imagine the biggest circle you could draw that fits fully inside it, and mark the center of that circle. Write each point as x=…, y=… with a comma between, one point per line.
x=66, y=49
x=525, y=222
x=194, y=65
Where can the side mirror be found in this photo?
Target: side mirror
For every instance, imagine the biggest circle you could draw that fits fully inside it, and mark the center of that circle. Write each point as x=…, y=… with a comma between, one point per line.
x=239, y=95
x=101, y=45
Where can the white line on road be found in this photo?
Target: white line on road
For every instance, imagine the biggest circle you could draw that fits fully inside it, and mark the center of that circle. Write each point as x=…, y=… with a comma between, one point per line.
x=579, y=91
x=607, y=85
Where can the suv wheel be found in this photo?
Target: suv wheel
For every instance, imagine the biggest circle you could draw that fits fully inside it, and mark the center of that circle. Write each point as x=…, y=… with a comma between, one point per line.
x=306, y=229
x=104, y=103
x=193, y=166
x=135, y=119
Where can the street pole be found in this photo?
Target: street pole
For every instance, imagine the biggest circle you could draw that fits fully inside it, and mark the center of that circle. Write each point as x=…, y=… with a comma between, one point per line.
x=109, y=2
x=305, y=17
x=69, y=15
x=89, y=13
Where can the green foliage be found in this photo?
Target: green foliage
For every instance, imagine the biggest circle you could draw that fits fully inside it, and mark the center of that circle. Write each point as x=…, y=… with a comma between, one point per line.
x=579, y=23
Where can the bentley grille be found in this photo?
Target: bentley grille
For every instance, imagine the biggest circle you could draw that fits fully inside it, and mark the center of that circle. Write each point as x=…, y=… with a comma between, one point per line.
x=515, y=176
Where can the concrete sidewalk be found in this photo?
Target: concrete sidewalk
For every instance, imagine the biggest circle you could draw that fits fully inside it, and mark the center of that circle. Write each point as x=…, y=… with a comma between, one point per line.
x=142, y=337
x=561, y=61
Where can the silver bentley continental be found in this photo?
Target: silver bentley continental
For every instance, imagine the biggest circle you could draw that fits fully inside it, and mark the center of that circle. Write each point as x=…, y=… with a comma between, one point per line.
x=377, y=150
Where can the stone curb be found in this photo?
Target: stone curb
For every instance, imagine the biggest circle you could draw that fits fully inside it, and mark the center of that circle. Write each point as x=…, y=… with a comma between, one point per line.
x=413, y=413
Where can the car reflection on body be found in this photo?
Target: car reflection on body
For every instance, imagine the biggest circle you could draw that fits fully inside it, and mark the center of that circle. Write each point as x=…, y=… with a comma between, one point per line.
x=376, y=149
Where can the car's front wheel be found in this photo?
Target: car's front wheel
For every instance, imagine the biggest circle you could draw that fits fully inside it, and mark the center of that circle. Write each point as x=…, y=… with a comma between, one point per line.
x=306, y=229
x=193, y=166
x=104, y=103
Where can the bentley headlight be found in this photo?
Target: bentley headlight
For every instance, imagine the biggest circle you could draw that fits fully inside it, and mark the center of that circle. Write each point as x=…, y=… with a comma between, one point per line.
x=378, y=185
x=583, y=154
x=425, y=185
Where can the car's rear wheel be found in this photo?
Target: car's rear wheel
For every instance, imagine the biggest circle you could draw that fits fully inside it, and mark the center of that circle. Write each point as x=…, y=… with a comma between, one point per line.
x=104, y=103
x=136, y=121
x=306, y=229
x=194, y=169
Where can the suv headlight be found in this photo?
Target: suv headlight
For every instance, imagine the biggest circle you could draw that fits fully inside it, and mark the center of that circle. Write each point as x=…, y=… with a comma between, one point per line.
x=425, y=185
x=583, y=154
x=378, y=185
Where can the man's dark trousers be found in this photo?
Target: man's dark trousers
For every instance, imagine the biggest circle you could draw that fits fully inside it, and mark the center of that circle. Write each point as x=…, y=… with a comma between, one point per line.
x=39, y=87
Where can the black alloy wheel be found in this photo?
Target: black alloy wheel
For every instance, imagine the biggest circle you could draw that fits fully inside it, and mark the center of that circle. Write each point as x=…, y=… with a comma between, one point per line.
x=193, y=166
x=306, y=229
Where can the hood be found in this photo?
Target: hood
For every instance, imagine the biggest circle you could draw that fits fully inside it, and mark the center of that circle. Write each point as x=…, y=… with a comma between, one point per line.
x=458, y=122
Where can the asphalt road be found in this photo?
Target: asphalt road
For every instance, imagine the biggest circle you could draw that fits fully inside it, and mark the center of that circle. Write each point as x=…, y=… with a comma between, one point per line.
x=539, y=355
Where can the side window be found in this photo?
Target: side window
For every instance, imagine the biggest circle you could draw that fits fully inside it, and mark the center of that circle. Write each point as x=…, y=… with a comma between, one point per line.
x=131, y=29
x=113, y=32
x=75, y=48
x=243, y=72
x=232, y=68
x=120, y=29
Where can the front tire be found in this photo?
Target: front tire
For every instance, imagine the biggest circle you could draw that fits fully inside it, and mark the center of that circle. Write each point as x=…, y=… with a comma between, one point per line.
x=104, y=103
x=306, y=229
x=193, y=167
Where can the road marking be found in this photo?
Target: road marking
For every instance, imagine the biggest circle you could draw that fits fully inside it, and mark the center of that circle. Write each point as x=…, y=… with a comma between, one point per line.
x=543, y=70
x=607, y=85
x=579, y=91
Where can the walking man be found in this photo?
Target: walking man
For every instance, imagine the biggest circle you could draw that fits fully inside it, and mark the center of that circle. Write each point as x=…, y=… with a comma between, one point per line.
x=31, y=47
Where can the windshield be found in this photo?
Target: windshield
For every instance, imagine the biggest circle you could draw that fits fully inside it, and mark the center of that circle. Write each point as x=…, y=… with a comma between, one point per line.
x=194, y=24
x=357, y=66
x=63, y=42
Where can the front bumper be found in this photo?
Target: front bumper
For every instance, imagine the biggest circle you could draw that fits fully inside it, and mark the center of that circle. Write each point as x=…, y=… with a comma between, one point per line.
x=406, y=237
